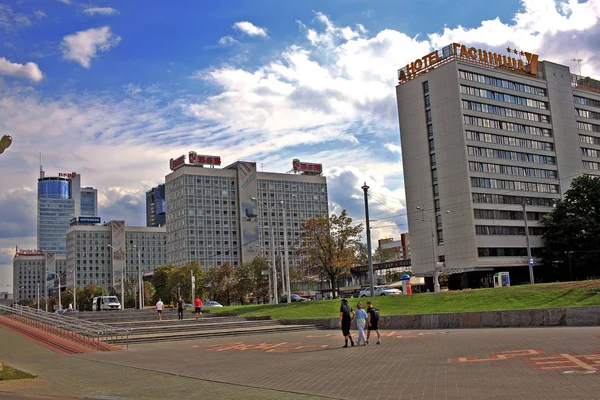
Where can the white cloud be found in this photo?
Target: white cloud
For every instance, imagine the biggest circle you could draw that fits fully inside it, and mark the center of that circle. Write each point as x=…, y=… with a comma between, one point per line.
x=29, y=71
x=11, y=20
x=250, y=29
x=100, y=10
x=65, y=1
x=82, y=46
x=393, y=147
x=227, y=41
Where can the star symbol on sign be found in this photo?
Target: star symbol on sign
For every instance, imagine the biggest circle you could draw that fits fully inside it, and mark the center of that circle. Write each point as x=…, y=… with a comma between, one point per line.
x=515, y=51
x=522, y=53
x=508, y=49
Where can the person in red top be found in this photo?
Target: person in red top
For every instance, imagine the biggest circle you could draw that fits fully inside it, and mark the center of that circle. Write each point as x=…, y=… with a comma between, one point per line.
x=198, y=306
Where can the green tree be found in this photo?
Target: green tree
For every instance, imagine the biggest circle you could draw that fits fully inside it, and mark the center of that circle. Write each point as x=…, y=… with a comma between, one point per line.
x=149, y=293
x=213, y=284
x=160, y=281
x=86, y=295
x=249, y=280
x=329, y=246
x=572, y=232
x=180, y=281
x=362, y=253
x=381, y=254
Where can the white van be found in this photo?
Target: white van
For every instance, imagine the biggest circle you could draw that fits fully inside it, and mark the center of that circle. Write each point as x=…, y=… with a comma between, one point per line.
x=102, y=303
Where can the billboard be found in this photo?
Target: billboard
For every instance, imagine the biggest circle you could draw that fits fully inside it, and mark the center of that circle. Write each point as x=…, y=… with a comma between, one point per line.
x=85, y=221
x=118, y=250
x=307, y=168
x=247, y=189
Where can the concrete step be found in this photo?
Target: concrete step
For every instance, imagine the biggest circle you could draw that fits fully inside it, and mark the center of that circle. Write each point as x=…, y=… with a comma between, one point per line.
x=183, y=326
x=155, y=321
x=163, y=337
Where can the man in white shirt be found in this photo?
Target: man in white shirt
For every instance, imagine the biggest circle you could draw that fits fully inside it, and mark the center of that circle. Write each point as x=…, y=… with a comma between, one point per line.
x=159, y=308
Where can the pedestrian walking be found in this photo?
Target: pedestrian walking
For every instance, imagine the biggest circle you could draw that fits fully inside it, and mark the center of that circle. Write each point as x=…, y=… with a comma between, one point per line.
x=373, y=322
x=70, y=307
x=180, y=304
x=361, y=320
x=159, y=308
x=346, y=315
x=198, y=306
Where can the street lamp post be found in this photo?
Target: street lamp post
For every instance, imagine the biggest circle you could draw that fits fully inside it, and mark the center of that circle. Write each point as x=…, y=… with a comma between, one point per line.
x=74, y=288
x=287, y=260
x=140, y=276
x=274, y=268
x=436, y=281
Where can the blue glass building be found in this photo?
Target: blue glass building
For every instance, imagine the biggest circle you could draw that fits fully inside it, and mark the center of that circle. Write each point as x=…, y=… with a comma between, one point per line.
x=156, y=206
x=59, y=200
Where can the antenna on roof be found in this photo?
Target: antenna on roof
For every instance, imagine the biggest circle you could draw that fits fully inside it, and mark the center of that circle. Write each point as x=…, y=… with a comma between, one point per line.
x=41, y=167
x=578, y=61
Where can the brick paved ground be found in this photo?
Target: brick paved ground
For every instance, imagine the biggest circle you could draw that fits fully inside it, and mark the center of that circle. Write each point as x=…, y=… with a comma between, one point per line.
x=525, y=363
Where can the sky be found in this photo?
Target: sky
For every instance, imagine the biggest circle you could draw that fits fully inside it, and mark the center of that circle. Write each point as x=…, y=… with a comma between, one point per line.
x=114, y=89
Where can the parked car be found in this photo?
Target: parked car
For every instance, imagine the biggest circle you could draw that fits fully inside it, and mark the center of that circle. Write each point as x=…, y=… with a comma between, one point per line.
x=65, y=311
x=294, y=298
x=380, y=291
x=188, y=306
x=211, y=303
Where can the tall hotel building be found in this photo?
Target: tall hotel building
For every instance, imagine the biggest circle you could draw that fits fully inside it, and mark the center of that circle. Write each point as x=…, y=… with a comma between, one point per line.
x=219, y=215
x=60, y=199
x=482, y=134
x=155, y=206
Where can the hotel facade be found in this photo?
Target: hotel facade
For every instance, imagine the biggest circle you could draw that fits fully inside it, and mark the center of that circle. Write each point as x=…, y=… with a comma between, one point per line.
x=486, y=137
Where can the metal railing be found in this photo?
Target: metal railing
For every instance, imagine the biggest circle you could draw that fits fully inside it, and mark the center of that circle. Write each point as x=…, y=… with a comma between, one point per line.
x=87, y=333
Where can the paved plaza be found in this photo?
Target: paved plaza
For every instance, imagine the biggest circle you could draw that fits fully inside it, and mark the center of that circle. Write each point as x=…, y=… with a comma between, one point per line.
x=512, y=363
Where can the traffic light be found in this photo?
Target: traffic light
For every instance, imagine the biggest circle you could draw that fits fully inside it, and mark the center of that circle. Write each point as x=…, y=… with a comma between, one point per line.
x=5, y=143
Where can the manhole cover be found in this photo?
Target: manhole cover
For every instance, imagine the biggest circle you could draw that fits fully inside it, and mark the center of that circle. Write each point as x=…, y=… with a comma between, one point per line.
x=579, y=372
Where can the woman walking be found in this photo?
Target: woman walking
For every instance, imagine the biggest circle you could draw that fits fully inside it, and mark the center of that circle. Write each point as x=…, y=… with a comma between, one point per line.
x=346, y=315
x=361, y=319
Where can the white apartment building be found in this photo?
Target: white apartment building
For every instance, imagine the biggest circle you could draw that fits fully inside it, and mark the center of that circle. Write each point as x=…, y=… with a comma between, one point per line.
x=29, y=273
x=90, y=259
x=219, y=215
x=483, y=133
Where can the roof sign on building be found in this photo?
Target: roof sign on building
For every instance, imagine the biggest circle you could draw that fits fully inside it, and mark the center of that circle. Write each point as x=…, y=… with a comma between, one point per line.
x=177, y=162
x=195, y=159
x=70, y=175
x=307, y=168
x=517, y=61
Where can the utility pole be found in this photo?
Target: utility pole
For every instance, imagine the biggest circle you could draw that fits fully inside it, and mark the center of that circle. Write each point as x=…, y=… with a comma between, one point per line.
x=365, y=188
x=529, y=258
x=286, y=259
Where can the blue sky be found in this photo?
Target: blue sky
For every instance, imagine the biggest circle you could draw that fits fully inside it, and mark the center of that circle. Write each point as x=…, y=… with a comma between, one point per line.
x=113, y=89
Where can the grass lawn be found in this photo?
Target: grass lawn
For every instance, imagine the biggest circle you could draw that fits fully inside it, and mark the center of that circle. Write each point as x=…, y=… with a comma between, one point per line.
x=9, y=373
x=547, y=295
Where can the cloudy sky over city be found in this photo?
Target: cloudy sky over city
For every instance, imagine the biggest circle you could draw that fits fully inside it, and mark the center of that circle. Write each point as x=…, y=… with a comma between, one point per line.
x=113, y=89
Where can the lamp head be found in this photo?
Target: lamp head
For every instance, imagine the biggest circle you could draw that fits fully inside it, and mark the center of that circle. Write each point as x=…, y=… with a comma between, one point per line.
x=419, y=208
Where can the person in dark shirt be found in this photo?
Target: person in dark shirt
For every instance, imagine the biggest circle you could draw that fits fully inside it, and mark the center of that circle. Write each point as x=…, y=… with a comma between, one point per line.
x=346, y=315
x=180, y=304
x=373, y=322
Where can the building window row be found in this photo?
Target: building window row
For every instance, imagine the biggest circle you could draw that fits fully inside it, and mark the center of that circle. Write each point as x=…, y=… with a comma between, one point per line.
x=507, y=230
x=507, y=251
x=505, y=214
x=510, y=155
x=586, y=102
x=591, y=165
x=589, y=139
x=590, y=152
x=511, y=170
x=506, y=126
x=486, y=198
x=488, y=80
x=508, y=140
x=507, y=112
x=584, y=126
x=504, y=97
x=490, y=183
x=587, y=114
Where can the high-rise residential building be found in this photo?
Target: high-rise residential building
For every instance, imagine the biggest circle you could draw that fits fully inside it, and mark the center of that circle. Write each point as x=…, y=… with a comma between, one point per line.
x=486, y=136
x=30, y=270
x=97, y=254
x=156, y=206
x=60, y=199
x=229, y=215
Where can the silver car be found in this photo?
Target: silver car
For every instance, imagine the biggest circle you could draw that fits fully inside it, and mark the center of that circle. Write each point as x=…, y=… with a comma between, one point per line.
x=380, y=291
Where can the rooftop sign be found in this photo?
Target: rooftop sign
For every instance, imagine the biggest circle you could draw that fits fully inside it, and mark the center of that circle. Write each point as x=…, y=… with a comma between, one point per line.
x=70, y=175
x=520, y=61
x=307, y=168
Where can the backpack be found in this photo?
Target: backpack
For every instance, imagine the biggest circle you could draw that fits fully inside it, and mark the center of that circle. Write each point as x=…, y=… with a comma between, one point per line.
x=374, y=313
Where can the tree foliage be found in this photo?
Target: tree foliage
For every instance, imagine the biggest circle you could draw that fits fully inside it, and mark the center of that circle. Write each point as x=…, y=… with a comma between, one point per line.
x=329, y=246
x=250, y=282
x=383, y=254
x=572, y=231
